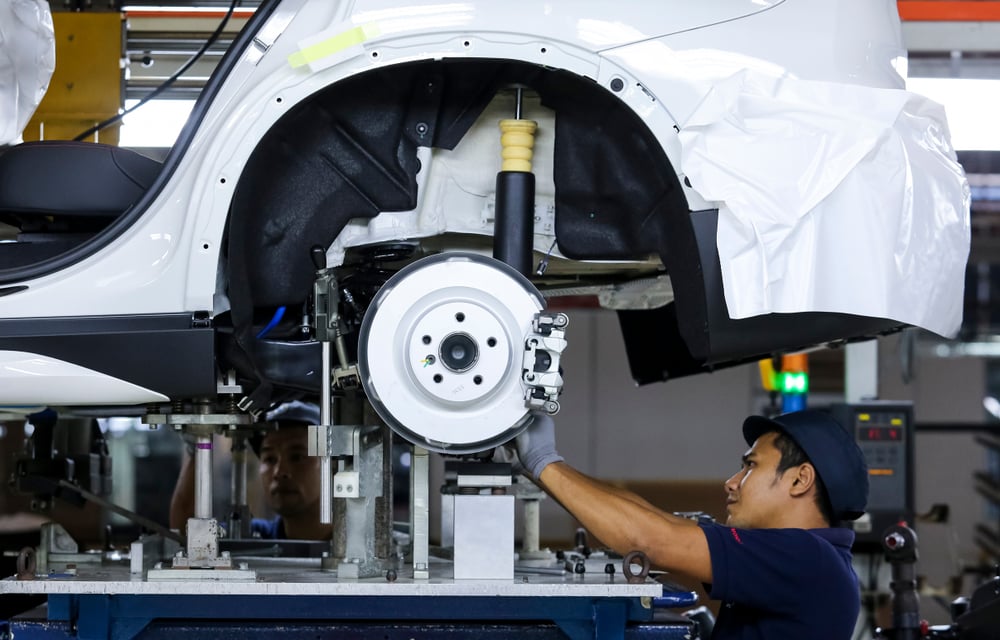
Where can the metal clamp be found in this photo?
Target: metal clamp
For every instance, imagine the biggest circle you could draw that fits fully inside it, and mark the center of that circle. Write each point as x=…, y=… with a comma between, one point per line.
x=543, y=349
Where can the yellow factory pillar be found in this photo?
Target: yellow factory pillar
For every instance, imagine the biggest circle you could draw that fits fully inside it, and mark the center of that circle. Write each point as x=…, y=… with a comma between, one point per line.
x=86, y=87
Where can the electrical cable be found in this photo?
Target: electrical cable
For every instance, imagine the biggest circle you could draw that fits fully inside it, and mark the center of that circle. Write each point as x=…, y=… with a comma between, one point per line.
x=278, y=315
x=873, y=582
x=169, y=81
x=866, y=630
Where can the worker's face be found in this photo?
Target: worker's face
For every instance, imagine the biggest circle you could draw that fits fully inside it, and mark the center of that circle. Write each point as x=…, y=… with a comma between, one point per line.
x=289, y=476
x=755, y=494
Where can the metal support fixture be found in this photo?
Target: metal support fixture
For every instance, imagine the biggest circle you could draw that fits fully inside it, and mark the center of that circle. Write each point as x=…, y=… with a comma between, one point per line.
x=201, y=556
x=483, y=520
x=145, y=552
x=530, y=496
x=203, y=476
x=57, y=549
x=531, y=526
x=514, y=225
x=328, y=441
x=202, y=529
x=420, y=512
x=362, y=489
x=361, y=485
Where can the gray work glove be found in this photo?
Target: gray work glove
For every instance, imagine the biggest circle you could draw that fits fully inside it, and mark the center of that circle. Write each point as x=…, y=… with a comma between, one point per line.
x=536, y=446
x=508, y=454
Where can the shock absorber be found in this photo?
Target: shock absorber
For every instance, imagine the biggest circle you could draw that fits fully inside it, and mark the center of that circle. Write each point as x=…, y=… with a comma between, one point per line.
x=514, y=224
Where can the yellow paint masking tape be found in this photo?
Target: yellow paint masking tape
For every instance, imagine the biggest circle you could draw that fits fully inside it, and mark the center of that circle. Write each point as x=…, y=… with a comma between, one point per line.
x=335, y=44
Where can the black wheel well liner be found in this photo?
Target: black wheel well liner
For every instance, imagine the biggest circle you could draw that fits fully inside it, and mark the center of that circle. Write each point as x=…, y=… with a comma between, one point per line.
x=350, y=152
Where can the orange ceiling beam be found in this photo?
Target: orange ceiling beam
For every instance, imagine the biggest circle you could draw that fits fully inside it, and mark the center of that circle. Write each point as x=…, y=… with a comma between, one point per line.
x=949, y=10
x=911, y=10
x=152, y=13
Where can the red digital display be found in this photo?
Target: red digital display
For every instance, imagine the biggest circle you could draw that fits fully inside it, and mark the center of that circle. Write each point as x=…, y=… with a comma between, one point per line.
x=880, y=434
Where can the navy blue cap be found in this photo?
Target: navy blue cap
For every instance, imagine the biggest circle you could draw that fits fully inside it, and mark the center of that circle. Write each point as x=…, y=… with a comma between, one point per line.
x=295, y=413
x=832, y=451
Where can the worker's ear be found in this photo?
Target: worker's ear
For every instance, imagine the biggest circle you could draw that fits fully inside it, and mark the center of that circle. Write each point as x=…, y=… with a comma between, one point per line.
x=803, y=480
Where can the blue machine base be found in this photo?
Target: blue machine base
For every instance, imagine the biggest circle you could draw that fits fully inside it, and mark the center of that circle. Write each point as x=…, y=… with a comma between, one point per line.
x=256, y=630
x=128, y=616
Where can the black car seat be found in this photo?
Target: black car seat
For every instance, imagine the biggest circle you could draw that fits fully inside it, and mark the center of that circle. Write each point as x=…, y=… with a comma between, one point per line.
x=57, y=194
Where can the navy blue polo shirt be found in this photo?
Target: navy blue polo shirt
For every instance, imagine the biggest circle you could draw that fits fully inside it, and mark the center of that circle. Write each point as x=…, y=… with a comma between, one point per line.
x=783, y=583
x=272, y=529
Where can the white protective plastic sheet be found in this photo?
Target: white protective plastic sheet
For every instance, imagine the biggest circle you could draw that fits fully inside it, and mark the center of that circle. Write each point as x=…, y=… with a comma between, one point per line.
x=832, y=197
x=27, y=59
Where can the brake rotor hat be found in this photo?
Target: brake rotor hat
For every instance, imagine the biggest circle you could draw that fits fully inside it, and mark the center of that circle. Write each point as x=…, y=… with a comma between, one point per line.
x=832, y=451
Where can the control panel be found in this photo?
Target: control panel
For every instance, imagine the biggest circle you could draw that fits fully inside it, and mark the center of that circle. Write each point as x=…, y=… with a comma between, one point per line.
x=884, y=432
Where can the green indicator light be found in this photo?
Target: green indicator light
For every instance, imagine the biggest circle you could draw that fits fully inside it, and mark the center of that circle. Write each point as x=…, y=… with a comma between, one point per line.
x=794, y=382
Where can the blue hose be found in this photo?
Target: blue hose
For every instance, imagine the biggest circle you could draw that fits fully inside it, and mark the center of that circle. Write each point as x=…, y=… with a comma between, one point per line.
x=278, y=315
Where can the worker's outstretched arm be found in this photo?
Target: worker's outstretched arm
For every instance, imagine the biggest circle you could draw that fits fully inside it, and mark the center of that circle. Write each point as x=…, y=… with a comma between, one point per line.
x=620, y=519
x=182, y=502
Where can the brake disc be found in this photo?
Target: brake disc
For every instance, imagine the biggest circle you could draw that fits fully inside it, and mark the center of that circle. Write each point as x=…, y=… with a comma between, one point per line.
x=440, y=353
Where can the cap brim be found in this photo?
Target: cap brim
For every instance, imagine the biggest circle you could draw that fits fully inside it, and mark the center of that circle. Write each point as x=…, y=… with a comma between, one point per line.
x=755, y=426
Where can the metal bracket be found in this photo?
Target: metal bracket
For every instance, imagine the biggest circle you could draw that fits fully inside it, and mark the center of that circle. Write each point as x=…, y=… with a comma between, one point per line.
x=329, y=329
x=346, y=378
x=227, y=384
x=178, y=420
x=333, y=440
x=543, y=349
x=327, y=297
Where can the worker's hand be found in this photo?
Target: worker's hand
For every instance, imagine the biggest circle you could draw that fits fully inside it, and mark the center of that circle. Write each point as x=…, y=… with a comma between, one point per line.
x=508, y=454
x=536, y=446
x=190, y=442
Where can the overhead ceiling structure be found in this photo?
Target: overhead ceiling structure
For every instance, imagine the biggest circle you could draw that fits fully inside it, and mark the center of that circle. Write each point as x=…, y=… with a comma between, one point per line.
x=951, y=25
x=952, y=38
x=159, y=39
x=946, y=38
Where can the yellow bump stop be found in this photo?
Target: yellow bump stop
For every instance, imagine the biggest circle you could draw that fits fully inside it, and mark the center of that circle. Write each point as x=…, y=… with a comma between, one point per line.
x=517, y=139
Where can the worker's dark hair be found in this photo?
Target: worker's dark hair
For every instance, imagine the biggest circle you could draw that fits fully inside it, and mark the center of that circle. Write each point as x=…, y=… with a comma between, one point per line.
x=256, y=441
x=792, y=455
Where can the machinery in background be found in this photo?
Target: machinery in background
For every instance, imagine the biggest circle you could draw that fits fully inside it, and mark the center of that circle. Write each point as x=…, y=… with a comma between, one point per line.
x=977, y=618
x=786, y=378
x=884, y=431
x=66, y=459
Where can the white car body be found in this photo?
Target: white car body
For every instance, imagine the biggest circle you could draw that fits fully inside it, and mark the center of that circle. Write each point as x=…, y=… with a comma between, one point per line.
x=660, y=58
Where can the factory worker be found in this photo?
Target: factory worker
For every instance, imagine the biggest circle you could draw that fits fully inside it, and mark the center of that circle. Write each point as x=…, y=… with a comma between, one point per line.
x=781, y=565
x=289, y=478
